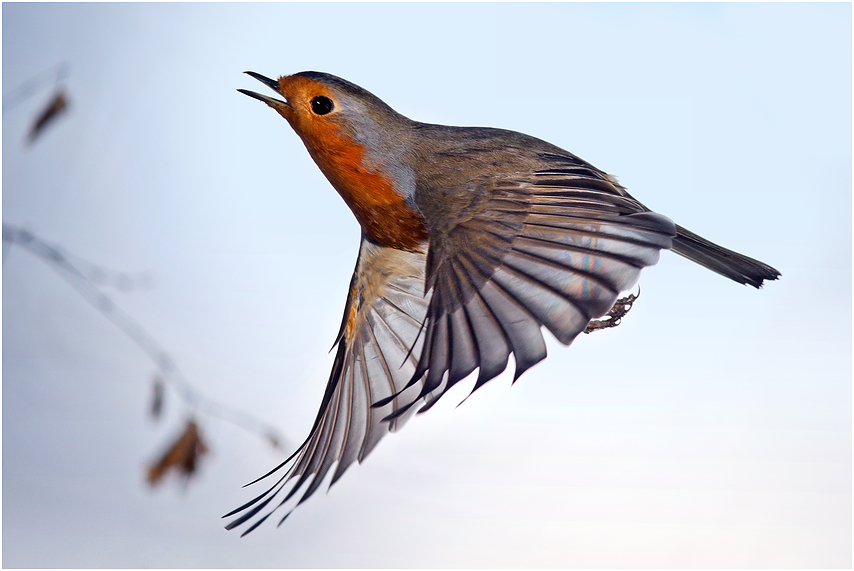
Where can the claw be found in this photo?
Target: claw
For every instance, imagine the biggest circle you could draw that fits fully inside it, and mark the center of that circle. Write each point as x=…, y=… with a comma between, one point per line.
x=620, y=309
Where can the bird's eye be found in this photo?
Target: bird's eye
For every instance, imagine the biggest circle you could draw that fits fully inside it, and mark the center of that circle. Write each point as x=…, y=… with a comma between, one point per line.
x=321, y=105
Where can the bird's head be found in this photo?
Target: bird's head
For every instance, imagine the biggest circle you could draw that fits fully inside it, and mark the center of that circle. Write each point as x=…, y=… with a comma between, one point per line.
x=329, y=112
x=361, y=145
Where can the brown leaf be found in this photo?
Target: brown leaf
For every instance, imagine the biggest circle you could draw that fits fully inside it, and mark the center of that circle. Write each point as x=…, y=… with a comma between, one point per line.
x=57, y=105
x=181, y=456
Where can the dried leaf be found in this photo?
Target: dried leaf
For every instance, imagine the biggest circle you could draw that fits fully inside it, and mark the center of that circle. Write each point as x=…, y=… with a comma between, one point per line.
x=57, y=105
x=182, y=455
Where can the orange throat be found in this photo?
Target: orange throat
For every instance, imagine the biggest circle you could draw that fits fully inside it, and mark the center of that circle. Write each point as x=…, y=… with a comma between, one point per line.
x=382, y=212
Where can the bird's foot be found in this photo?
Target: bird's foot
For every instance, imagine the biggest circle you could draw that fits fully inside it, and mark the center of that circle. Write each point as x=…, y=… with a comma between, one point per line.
x=621, y=307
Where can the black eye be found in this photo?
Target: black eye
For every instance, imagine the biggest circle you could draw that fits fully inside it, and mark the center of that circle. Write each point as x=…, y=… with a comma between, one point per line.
x=321, y=105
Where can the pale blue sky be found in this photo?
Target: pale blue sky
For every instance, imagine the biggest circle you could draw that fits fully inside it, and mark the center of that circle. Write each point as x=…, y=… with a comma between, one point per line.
x=712, y=428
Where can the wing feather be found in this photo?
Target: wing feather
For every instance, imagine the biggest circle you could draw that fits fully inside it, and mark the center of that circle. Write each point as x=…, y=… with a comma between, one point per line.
x=552, y=248
x=377, y=355
x=492, y=341
x=562, y=316
x=522, y=330
x=464, y=350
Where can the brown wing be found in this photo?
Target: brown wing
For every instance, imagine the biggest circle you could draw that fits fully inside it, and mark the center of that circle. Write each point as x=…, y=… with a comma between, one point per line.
x=553, y=247
x=378, y=346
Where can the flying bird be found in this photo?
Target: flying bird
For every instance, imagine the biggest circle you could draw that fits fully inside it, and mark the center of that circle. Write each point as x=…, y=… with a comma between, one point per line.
x=472, y=240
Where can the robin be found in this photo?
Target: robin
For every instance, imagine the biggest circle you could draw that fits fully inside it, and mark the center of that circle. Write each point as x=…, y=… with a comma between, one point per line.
x=472, y=239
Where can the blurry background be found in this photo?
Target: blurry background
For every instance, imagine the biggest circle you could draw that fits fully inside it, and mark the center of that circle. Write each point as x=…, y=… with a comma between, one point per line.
x=712, y=428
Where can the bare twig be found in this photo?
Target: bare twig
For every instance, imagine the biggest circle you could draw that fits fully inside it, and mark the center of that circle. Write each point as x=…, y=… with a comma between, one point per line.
x=83, y=279
x=53, y=75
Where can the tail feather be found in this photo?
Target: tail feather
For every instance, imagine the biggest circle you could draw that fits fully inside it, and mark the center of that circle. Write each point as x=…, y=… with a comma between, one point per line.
x=731, y=264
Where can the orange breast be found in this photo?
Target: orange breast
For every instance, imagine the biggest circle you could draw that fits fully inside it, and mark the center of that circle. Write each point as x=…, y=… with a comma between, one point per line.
x=383, y=214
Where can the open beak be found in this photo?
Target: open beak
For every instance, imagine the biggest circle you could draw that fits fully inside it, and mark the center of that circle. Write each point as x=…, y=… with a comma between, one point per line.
x=276, y=104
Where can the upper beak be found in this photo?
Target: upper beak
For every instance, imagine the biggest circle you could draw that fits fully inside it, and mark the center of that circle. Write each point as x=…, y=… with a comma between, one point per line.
x=272, y=84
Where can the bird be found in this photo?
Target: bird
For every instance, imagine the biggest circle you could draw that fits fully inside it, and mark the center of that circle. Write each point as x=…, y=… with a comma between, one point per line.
x=473, y=239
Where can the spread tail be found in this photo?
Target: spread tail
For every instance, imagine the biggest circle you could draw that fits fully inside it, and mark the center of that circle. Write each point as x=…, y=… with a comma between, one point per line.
x=731, y=264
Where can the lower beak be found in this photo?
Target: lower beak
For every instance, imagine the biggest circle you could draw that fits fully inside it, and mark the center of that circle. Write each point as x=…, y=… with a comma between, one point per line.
x=272, y=84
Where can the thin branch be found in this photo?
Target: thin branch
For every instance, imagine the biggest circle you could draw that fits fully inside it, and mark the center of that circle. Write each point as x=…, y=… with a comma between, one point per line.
x=81, y=279
x=53, y=74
